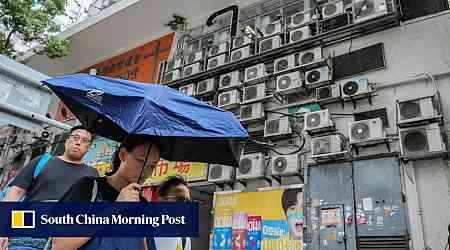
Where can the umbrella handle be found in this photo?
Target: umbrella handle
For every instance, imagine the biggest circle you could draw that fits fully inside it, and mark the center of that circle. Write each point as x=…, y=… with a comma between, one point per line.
x=145, y=162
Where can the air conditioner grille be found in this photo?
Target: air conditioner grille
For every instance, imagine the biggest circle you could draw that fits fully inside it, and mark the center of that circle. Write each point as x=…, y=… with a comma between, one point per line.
x=213, y=63
x=322, y=146
x=298, y=19
x=313, y=76
x=280, y=164
x=297, y=35
x=216, y=172
x=364, y=8
x=415, y=140
x=324, y=93
x=360, y=131
x=409, y=110
x=307, y=58
x=350, y=88
x=237, y=55
x=330, y=9
x=266, y=45
x=282, y=65
x=251, y=93
x=245, y=165
x=273, y=126
x=284, y=82
x=313, y=120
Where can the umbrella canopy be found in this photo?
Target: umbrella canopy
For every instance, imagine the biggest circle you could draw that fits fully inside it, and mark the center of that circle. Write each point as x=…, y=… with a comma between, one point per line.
x=185, y=129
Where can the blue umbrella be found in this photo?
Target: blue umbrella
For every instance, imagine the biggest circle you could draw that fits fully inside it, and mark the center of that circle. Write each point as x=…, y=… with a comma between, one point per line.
x=186, y=129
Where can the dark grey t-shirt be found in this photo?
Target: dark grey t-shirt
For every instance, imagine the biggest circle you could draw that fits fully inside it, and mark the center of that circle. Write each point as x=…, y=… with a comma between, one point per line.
x=53, y=181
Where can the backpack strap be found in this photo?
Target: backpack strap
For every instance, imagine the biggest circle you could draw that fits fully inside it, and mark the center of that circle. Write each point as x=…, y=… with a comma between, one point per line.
x=41, y=164
x=151, y=245
x=183, y=242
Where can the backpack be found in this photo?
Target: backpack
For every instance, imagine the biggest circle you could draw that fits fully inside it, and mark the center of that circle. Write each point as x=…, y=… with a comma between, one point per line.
x=40, y=165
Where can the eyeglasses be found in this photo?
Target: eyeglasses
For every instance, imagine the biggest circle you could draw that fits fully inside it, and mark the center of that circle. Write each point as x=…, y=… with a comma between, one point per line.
x=177, y=198
x=78, y=138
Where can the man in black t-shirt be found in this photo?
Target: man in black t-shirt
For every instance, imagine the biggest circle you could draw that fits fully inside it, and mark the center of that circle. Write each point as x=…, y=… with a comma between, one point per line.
x=58, y=175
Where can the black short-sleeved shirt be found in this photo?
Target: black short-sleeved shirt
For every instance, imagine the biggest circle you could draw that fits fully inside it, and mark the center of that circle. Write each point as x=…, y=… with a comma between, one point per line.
x=53, y=181
x=81, y=191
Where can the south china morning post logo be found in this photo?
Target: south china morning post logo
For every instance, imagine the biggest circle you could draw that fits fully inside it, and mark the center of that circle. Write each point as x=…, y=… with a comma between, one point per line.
x=102, y=219
x=23, y=219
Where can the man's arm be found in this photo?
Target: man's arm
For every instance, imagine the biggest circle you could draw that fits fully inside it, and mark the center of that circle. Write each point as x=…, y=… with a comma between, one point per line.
x=14, y=194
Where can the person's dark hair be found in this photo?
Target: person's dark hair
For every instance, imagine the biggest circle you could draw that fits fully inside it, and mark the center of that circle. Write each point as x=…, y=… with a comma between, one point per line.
x=289, y=198
x=129, y=143
x=79, y=127
x=169, y=182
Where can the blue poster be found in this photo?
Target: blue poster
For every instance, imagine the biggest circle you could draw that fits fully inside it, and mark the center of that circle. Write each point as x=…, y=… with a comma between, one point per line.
x=222, y=238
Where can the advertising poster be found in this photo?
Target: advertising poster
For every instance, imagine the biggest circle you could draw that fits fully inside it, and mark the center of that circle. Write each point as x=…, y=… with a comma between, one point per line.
x=100, y=154
x=274, y=219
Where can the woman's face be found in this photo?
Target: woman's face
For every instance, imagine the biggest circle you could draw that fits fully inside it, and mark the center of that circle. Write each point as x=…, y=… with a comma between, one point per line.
x=132, y=162
x=294, y=216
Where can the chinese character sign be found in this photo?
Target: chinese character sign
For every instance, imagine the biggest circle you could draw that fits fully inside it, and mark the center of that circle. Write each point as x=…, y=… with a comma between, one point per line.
x=193, y=171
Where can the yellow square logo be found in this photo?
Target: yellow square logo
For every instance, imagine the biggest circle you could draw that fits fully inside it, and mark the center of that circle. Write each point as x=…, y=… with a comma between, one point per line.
x=22, y=219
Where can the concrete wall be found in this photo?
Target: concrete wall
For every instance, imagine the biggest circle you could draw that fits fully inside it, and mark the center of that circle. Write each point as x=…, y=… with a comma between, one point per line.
x=412, y=49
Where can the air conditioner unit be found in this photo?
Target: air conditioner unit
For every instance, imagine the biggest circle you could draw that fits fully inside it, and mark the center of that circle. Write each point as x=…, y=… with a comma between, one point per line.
x=188, y=89
x=317, y=120
x=284, y=63
x=299, y=34
x=310, y=56
x=229, y=99
x=217, y=49
x=255, y=92
x=229, y=80
x=326, y=146
x=241, y=41
x=421, y=140
x=251, y=112
x=272, y=28
x=328, y=93
x=174, y=64
x=220, y=173
x=240, y=54
x=417, y=109
x=269, y=44
x=172, y=76
x=217, y=61
x=332, y=9
x=192, y=69
x=289, y=83
x=193, y=57
x=299, y=19
x=277, y=127
x=317, y=76
x=205, y=87
x=364, y=10
x=366, y=130
x=255, y=72
x=251, y=166
x=285, y=164
x=355, y=86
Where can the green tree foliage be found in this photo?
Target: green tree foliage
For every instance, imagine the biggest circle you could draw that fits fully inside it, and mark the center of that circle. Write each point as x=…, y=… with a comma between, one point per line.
x=32, y=21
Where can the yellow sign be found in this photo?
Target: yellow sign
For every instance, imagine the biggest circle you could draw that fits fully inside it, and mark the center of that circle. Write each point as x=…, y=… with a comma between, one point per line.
x=193, y=171
x=274, y=219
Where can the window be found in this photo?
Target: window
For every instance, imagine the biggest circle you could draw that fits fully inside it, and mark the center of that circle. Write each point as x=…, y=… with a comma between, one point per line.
x=416, y=8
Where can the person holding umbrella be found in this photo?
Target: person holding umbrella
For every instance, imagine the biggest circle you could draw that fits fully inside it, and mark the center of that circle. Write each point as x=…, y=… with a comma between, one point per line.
x=181, y=128
x=133, y=162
